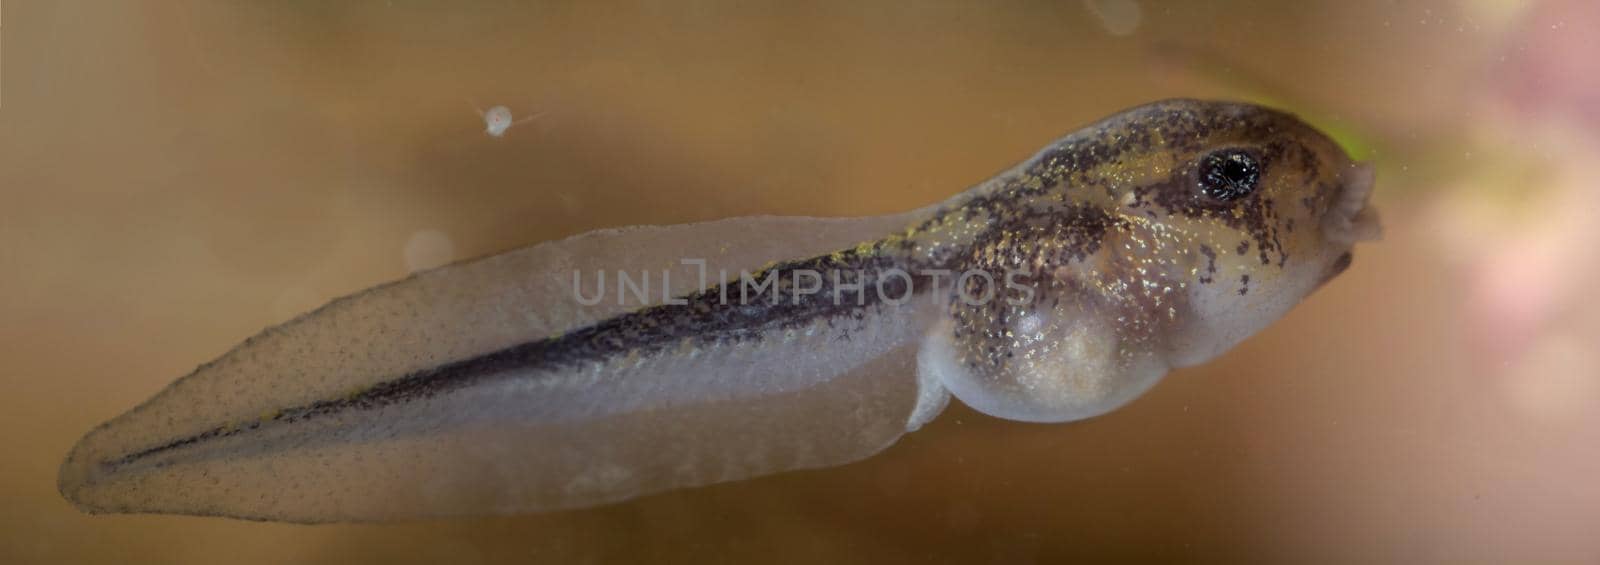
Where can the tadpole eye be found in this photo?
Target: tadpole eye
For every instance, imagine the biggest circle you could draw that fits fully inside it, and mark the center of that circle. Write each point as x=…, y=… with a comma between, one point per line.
x=1229, y=174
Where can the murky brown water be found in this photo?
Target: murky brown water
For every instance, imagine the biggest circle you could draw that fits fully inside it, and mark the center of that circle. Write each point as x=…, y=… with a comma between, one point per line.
x=178, y=175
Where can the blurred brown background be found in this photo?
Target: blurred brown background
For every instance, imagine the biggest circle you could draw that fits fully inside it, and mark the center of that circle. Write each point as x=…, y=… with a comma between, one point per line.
x=174, y=176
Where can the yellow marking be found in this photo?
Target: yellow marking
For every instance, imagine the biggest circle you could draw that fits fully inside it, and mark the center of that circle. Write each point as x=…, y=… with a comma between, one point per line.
x=865, y=248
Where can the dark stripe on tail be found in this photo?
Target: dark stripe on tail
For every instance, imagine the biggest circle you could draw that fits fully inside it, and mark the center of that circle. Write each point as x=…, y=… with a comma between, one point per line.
x=705, y=319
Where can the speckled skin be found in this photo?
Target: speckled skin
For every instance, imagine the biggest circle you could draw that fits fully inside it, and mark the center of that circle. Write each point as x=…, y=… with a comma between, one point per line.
x=1133, y=269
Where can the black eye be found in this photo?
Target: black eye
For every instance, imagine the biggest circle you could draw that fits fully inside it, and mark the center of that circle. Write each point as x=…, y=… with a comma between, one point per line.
x=1229, y=174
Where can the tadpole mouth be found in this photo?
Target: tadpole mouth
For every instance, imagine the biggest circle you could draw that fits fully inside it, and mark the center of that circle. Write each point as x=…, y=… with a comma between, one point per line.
x=1352, y=218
